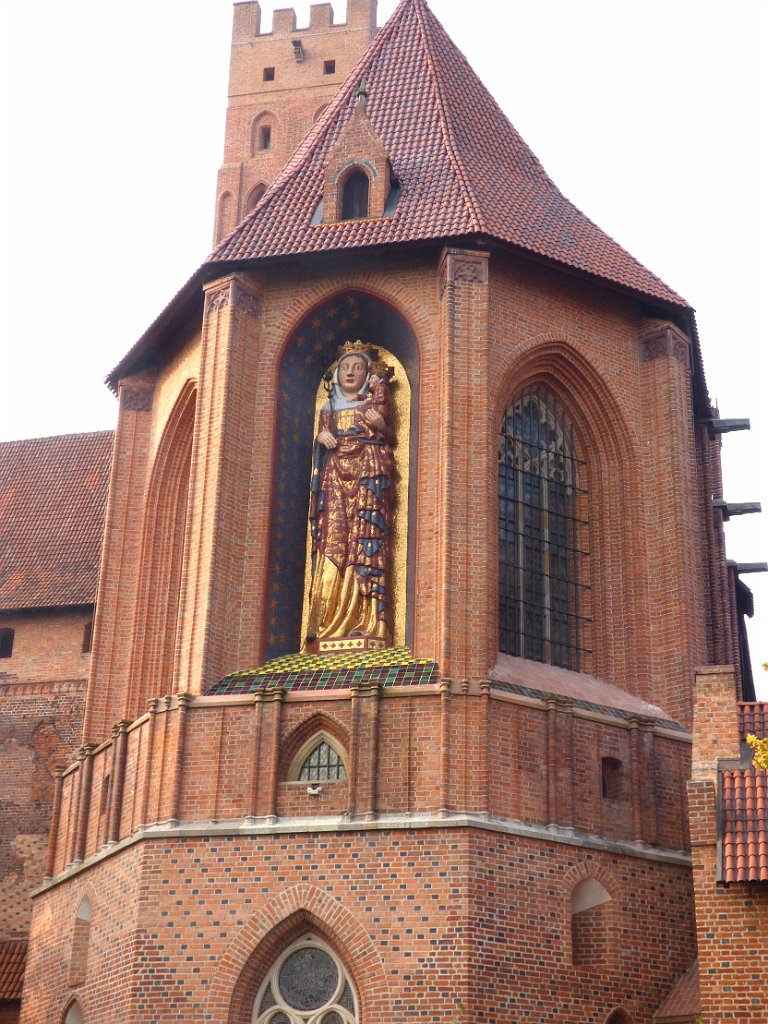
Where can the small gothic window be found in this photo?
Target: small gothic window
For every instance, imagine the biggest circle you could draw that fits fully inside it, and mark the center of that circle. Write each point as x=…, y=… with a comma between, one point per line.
x=87, y=636
x=329, y=67
x=269, y=74
x=540, y=534
x=265, y=136
x=610, y=778
x=307, y=983
x=323, y=764
x=354, y=202
x=6, y=643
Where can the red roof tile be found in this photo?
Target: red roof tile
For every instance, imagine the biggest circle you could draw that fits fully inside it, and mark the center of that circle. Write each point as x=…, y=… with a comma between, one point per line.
x=753, y=718
x=745, y=825
x=12, y=958
x=683, y=1005
x=53, y=493
x=463, y=167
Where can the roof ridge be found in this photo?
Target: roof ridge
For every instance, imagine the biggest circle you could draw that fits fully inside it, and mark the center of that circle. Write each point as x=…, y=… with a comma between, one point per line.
x=422, y=9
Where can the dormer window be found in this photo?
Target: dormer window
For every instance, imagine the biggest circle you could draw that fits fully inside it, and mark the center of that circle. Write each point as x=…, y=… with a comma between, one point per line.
x=354, y=202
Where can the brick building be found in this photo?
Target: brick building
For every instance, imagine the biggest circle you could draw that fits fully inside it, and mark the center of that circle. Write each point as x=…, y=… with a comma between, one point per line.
x=486, y=820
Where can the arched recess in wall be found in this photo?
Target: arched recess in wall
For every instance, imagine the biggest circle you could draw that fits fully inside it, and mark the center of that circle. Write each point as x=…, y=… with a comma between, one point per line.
x=301, y=741
x=73, y=1014
x=310, y=350
x=341, y=991
x=262, y=132
x=254, y=196
x=610, y=504
x=81, y=937
x=162, y=557
x=618, y=1016
x=227, y=214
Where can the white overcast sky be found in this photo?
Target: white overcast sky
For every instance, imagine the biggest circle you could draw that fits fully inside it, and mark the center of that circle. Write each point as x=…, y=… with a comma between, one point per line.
x=651, y=117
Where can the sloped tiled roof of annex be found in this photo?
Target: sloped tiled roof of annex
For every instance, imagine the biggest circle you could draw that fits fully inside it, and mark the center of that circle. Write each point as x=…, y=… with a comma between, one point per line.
x=53, y=493
x=744, y=825
x=13, y=955
x=463, y=167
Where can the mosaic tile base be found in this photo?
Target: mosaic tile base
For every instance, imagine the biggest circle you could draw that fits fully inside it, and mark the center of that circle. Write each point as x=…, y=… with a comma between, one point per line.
x=394, y=666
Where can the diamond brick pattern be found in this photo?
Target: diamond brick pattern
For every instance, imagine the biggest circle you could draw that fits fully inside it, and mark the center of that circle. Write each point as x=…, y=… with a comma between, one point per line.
x=53, y=494
x=463, y=168
x=391, y=667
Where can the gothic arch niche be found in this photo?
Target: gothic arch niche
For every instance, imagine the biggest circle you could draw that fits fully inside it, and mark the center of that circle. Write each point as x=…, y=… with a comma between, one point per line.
x=310, y=349
x=162, y=557
x=612, y=507
x=348, y=945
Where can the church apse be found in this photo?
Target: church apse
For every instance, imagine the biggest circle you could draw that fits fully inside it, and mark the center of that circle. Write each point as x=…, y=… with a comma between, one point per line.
x=312, y=351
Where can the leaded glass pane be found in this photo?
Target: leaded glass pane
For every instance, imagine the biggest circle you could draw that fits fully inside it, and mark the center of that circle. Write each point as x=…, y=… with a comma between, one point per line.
x=540, y=592
x=323, y=765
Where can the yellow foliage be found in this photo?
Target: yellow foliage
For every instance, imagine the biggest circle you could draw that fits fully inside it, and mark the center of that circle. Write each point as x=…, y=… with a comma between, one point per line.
x=760, y=747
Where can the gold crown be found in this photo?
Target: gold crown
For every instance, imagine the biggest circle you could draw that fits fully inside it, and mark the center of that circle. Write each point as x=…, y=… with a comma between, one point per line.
x=359, y=346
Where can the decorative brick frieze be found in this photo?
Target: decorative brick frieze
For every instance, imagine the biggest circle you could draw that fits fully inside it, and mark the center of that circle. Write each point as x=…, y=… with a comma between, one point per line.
x=664, y=339
x=136, y=399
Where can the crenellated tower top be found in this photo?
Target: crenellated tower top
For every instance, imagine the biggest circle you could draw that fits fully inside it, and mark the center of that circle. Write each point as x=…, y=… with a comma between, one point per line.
x=279, y=83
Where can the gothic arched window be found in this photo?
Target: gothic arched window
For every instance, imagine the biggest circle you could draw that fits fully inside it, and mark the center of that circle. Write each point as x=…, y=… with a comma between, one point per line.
x=307, y=983
x=539, y=533
x=354, y=201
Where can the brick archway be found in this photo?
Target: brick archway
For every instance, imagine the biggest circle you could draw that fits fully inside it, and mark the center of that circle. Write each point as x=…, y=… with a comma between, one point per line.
x=277, y=924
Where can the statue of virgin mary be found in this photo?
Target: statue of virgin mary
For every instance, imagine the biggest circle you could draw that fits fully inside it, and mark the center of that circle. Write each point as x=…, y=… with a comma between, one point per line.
x=350, y=513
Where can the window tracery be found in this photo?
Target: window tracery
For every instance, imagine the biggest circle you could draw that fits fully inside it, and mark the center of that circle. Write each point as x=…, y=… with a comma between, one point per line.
x=540, y=530
x=307, y=985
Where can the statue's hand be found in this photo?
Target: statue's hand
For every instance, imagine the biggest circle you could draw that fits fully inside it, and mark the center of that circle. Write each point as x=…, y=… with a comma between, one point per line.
x=376, y=420
x=326, y=438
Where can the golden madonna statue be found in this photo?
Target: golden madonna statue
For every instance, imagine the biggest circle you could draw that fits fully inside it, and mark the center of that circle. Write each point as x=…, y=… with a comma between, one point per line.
x=352, y=495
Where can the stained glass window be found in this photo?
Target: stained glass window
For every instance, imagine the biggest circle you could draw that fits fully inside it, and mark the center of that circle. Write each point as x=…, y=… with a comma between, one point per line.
x=541, y=534
x=307, y=985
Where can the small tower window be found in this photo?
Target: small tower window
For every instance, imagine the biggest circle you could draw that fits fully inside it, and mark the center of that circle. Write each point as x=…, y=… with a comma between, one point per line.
x=6, y=643
x=268, y=74
x=323, y=764
x=329, y=67
x=354, y=203
x=87, y=636
x=265, y=136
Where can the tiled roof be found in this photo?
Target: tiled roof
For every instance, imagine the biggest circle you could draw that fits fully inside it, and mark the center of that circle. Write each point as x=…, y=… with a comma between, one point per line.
x=463, y=167
x=753, y=719
x=683, y=1005
x=53, y=493
x=744, y=825
x=12, y=958
x=393, y=666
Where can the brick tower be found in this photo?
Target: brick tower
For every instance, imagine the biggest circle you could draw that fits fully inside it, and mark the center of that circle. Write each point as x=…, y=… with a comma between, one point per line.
x=483, y=820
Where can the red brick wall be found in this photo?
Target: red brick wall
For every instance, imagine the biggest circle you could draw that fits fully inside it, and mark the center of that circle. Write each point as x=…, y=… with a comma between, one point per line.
x=423, y=919
x=40, y=727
